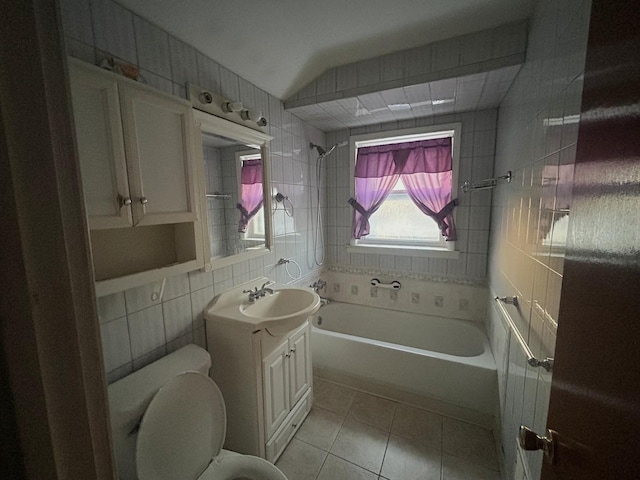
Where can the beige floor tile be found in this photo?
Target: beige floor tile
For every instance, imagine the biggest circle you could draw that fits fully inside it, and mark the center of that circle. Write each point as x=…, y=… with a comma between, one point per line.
x=332, y=397
x=361, y=444
x=406, y=460
x=320, y=428
x=454, y=468
x=301, y=461
x=375, y=411
x=418, y=426
x=469, y=442
x=336, y=468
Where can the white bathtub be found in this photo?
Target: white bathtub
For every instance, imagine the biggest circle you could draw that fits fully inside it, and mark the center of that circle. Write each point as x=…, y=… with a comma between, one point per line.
x=444, y=359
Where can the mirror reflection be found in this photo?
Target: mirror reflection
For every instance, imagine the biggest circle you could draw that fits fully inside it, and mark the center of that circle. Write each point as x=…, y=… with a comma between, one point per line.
x=234, y=184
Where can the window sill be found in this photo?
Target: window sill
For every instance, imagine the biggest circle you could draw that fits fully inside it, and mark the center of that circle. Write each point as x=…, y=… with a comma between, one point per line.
x=404, y=251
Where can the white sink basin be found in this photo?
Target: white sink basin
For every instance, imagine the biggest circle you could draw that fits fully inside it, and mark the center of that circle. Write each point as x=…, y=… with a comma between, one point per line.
x=281, y=303
x=278, y=312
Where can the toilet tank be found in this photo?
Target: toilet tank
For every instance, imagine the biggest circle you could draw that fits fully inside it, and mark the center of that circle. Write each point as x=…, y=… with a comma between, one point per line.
x=130, y=396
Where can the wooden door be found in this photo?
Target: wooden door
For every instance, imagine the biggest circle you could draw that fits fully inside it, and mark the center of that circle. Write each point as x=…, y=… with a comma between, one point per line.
x=98, y=128
x=299, y=364
x=160, y=146
x=275, y=370
x=595, y=393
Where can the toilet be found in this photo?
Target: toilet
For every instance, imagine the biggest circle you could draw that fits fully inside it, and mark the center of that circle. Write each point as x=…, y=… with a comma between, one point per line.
x=169, y=423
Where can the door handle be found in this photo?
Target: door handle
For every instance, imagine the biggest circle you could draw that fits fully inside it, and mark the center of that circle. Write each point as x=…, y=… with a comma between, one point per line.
x=530, y=440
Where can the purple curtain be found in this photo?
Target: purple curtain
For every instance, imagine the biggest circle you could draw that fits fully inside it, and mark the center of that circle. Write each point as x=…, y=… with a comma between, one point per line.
x=375, y=178
x=425, y=168
x=251, y=195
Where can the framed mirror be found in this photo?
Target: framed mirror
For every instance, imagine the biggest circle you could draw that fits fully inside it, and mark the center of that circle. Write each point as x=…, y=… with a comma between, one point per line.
x=236, y=191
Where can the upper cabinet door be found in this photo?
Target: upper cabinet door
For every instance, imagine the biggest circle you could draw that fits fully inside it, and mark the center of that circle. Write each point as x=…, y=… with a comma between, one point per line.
x=98, y=127
x=159, y=141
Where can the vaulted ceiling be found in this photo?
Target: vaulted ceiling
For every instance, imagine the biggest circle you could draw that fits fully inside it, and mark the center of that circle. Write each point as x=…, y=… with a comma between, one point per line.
x=283, y=45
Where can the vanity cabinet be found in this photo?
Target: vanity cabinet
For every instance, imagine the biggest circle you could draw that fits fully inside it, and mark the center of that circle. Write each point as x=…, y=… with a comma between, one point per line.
x=266, y=382
x=137, y=155
x=286, y=373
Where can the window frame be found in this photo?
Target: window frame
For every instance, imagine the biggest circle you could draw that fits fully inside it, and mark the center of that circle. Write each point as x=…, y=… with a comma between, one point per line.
x=241, y=156
x=452, y=130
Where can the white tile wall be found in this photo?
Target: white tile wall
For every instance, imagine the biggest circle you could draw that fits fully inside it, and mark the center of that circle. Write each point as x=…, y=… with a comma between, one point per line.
x=549, y=86
x=472, y=215
x=136, y=329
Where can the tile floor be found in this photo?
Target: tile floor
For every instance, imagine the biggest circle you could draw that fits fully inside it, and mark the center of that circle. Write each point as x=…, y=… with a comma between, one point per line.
x=350, y=435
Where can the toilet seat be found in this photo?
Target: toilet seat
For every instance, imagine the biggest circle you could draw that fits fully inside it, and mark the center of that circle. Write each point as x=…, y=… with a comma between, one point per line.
x=182, y=432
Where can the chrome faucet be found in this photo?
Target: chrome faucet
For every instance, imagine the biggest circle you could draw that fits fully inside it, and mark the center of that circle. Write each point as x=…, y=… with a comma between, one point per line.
x=258, y=293
x=318, y=285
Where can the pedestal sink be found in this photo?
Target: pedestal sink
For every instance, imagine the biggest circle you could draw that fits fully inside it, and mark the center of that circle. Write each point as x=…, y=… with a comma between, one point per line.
x=277, y=312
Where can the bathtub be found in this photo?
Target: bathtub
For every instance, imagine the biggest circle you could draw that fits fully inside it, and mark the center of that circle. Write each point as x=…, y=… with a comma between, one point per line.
x=437, y=358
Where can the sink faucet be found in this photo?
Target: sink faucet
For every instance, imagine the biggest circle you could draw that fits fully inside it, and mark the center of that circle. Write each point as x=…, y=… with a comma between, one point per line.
x=258, y=293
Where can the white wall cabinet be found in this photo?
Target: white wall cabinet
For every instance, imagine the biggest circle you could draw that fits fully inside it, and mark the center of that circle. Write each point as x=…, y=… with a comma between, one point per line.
x=266, y=382
x=137, y=156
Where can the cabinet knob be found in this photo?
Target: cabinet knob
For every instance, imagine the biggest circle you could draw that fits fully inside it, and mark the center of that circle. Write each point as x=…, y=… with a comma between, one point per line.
x=144, y=200
x=287, y=354
x=124, y=201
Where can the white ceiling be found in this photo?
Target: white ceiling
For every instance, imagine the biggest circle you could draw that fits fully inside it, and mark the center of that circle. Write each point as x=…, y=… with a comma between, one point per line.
x=281, y=45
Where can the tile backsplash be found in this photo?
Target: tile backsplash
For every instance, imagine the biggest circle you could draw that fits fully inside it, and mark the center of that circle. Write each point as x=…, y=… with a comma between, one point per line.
x=443, y=297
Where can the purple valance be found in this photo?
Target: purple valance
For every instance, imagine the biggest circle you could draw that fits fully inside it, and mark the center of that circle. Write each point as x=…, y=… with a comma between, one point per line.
x=425, y=156
x=425, y=168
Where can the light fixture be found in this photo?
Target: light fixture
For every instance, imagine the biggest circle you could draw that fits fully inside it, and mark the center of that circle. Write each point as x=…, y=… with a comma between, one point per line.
x=254, y=116
x=231, y=107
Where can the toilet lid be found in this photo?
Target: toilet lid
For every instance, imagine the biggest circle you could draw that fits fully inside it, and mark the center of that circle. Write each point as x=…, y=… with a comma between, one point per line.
x=182, y=429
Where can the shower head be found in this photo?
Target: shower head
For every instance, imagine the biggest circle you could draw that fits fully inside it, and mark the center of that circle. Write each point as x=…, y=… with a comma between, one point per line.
x=322, y=152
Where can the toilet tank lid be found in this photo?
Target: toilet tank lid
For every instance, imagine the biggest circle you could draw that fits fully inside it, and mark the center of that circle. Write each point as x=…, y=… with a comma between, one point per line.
x=130, y=396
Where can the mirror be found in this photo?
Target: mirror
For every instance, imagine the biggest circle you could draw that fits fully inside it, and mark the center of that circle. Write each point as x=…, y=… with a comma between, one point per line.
x=236, y=191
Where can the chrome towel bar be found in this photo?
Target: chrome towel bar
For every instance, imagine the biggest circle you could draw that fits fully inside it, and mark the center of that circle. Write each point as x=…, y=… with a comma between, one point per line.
x=488, y=183
x=546, y=363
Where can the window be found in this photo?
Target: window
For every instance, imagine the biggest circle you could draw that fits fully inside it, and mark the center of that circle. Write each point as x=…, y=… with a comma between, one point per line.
x=249, y=175
x=404, y=190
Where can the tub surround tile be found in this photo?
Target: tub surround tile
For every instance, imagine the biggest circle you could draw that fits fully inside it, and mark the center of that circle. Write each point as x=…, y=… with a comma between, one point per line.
x=361, y=444
x=332, y=397
x=404, y=460
x=374, y=411
x=301, y=461
x=336, y=468
x=321, y=428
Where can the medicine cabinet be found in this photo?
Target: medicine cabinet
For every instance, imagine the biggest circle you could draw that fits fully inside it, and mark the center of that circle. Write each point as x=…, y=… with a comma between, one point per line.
x=235, y=180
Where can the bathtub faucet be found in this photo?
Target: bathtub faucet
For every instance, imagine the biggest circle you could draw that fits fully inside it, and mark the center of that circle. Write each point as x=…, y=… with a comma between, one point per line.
x=318, y=285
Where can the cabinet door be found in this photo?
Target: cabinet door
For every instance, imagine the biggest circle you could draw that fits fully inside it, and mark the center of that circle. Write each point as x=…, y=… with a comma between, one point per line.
x=299, y=364
x=276, y=388
x=98, y=126
x=159, y=141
